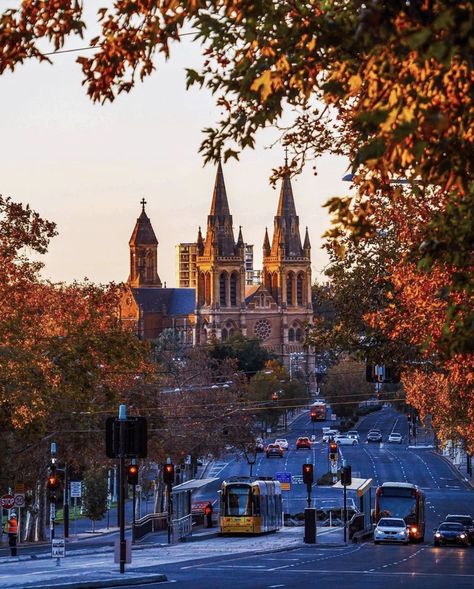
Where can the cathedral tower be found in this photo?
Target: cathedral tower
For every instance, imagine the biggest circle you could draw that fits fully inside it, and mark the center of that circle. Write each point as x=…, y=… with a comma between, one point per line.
x=143, y=254
x=220, y=268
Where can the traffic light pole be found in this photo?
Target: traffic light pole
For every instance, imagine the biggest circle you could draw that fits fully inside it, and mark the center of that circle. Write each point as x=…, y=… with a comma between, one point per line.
x=66, y=503
x=308, y=499
x=134, y=499
x=123, y=545
x=345, y=514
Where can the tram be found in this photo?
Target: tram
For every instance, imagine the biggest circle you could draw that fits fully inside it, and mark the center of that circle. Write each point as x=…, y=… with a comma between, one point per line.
x=250, y=505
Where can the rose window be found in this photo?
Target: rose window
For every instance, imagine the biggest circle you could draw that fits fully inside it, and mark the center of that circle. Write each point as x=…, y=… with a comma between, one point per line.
x=262, y=329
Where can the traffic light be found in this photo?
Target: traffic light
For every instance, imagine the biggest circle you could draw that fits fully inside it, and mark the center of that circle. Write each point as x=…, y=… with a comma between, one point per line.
x=332, y=451
x=168, y=474
x=308, y=474
x=346, y=475
x=132, y=474
x=275, y=397
x=53, y=480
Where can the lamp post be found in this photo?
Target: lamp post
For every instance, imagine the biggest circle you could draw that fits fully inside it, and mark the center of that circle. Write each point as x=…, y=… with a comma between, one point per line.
x=250, y=454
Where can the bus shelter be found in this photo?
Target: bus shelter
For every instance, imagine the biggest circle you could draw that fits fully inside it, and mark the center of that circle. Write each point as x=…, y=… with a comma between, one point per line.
x=362, y=489
x=182, y=501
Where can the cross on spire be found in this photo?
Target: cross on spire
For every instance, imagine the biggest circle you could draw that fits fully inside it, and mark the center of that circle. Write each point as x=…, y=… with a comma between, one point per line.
x=143, y=203
x=286, y=156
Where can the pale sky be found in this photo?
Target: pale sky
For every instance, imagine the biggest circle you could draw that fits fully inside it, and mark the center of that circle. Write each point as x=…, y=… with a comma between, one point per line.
x=87, y=166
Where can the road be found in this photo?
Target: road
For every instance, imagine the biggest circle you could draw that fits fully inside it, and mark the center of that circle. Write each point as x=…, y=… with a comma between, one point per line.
x=213, y=564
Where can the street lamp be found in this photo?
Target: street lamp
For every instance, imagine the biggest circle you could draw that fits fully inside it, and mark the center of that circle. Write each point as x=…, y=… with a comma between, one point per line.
x=250, y=454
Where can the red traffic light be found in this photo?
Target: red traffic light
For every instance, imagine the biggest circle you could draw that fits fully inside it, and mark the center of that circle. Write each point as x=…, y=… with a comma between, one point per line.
x=275, y=397
x=132, y=474
x=308, y=476
x=168, y=474
x=53, y=482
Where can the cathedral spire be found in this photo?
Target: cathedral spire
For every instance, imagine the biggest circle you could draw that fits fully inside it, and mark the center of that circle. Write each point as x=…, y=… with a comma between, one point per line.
x=286, y=234
x=219, y=206
x=219, y=234
x=307, y=244
x=240, y=240
x=200, y=243
x=266, y=244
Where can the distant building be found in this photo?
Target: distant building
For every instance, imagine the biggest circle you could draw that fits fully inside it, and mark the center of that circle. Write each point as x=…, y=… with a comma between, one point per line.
x=186, y=265
x=276, y=311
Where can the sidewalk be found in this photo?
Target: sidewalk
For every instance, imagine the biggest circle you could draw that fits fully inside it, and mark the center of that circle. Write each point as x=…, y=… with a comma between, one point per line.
x=96, y=568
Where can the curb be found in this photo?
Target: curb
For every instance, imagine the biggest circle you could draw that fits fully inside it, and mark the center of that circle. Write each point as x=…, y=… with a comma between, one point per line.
x=455, y=469
x=96, y=584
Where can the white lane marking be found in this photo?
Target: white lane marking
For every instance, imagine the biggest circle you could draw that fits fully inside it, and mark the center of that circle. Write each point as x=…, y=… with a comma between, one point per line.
x=275, y=586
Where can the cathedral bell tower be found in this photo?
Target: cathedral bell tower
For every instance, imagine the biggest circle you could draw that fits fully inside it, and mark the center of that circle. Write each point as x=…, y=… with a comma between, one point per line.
x=143, y=254
x=287, y=263
x=220, y=269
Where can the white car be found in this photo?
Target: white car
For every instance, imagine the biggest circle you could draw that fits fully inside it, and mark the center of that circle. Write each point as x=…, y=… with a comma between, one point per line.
x=282, y=443
x=345, y=440
x=353, y=433
x=330, y=434
x=391, y=529
x=395, y=437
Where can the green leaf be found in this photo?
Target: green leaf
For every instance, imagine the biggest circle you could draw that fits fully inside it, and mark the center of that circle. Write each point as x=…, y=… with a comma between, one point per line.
x=419, y=38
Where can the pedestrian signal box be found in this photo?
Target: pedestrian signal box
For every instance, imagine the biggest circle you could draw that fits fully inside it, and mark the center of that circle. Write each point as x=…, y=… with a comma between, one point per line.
x=333, y=451
x=168, y=474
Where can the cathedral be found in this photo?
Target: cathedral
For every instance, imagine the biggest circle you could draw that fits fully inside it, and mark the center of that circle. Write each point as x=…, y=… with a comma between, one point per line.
x=276, y=311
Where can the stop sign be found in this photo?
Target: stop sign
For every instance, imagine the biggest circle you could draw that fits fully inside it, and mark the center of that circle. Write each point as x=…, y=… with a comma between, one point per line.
x=8, y=501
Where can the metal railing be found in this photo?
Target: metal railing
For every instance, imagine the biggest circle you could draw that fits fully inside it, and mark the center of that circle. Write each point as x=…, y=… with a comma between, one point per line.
x=152, y=522
x=182, y=527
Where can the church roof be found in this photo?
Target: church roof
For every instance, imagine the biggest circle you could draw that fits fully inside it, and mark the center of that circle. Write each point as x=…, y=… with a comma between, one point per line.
x=143, y=233
x=173, y=301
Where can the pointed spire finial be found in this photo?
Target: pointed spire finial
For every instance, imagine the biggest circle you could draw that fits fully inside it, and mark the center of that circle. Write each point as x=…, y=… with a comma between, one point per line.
x=143, y=203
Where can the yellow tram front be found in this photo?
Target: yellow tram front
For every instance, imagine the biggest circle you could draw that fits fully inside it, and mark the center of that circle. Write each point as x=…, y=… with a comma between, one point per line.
x=250, y=506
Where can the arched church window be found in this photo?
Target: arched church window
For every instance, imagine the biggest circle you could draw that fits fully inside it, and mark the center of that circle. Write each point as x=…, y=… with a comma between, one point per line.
x=299, y=334
x=275, y=286
x=224, y=334
x=233, y=289
x=289, y=288
x=291, y=335
x=207, y=290
x=223, y=289
x=299, y=289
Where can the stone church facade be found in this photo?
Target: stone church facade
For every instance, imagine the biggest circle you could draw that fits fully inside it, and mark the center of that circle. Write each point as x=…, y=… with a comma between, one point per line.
x=277, y=311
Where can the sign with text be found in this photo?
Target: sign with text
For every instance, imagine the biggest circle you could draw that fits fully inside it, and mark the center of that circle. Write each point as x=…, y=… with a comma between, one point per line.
x=285, y=480
x=76, y=488
x=19, y=499
x=58, y=548
x=8, y=501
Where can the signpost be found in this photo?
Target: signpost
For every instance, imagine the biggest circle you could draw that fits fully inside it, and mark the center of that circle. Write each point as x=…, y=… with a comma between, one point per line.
x=58, y=549
x=8, y=501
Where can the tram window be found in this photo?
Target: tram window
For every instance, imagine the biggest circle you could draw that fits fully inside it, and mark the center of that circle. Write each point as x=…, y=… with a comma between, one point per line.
x=256, y=505
x=239, y=501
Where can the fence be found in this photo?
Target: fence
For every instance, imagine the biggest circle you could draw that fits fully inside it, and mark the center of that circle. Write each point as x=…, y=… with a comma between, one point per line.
x=182, y=527
x=152, y=522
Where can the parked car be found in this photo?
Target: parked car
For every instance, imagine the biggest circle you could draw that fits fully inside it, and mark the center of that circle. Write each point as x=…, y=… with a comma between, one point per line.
x=303, y=442
x=395, y=437
x=353, y=433
x=326, y=429
x=345, y=440
x=375, y=435
x=391, y=529
x=282, y=442
x=450, y=533
x=329, y=435
x=274, y=450
x=466, y=521
x=259, y=445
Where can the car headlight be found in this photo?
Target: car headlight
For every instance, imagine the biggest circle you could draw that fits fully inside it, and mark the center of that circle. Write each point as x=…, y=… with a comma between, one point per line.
x=462, y=536
x=438, y=535
x=414, y=530
x=403, y=533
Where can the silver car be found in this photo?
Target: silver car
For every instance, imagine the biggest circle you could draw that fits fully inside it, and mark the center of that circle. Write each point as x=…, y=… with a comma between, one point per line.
x=391, y=529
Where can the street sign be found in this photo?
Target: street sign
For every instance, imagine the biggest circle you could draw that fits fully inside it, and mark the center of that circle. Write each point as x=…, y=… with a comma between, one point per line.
x=19, y=499
x=135, y=437
x=19, y=489
x=285, y=480
x=8, y=501
x=52, y=511
x=76, y=488
x=297, y=479
x=58, y=548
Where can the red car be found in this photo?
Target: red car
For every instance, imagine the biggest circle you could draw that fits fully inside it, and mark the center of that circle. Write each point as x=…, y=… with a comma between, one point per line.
x=303, y=442
x=274, y=450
